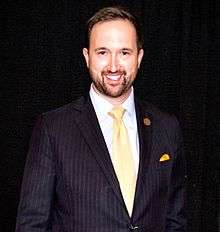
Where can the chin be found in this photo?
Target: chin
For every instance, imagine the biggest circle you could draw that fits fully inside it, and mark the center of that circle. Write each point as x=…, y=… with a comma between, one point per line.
x=116, y=94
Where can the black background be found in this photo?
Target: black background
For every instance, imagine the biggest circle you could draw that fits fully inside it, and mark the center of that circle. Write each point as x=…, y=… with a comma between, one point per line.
x=42, y=68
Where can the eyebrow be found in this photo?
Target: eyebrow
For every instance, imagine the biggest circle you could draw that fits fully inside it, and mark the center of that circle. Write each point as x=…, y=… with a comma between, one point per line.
x=101, y=48
x=123, y=49
x=127, y=49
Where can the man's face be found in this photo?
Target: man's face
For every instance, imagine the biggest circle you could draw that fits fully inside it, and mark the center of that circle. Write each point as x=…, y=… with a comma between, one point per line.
x=113, y=58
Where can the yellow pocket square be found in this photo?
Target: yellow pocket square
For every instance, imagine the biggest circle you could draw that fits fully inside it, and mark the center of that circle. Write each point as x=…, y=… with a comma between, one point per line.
x=164, y=157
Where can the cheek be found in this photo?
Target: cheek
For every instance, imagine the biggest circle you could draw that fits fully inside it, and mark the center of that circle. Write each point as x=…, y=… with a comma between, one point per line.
x=98, y=64
x=130, y=66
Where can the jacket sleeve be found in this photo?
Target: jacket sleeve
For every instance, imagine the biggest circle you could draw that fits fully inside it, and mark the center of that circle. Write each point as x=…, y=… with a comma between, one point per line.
x=176, y=216
x=34, y=211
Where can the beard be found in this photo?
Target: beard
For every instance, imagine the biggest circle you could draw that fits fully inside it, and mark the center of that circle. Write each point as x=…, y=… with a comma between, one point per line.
x=109, y=90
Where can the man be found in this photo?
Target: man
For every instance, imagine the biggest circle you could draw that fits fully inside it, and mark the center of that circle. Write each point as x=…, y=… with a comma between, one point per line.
x=89, y=169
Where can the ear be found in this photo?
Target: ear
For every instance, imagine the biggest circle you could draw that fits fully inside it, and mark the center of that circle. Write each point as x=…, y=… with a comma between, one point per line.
x=140, y=56
x=86, y=56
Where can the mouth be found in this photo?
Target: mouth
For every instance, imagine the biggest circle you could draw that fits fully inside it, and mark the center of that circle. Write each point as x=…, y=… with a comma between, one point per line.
x=113, y=77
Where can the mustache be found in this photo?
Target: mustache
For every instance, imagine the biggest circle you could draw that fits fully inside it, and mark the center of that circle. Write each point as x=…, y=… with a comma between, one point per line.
x=117, y=72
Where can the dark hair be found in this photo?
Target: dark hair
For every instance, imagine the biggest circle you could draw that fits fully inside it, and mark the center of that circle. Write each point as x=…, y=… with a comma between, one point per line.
x=114, y=13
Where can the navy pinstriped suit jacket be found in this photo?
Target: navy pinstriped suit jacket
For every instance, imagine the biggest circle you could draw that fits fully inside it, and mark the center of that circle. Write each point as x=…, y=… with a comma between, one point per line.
x=69, y=183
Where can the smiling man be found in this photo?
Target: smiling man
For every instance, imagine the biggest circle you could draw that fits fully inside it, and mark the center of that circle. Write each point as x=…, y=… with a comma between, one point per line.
x=113, y=58
x=108, y=162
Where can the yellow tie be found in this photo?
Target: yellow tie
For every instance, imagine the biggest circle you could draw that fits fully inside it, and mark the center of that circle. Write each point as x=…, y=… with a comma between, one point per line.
x=122, y=158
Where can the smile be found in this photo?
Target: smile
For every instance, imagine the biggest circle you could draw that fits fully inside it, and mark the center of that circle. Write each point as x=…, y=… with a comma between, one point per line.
x=113, y=77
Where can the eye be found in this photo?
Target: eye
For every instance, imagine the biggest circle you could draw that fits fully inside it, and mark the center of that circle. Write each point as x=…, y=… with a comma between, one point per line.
x=125, y=53
x=102, y=52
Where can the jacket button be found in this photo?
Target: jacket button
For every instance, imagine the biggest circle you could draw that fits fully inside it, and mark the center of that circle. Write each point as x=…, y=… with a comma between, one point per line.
x=133, y=228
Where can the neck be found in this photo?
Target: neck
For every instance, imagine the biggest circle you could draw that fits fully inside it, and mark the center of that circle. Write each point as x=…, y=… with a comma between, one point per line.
x=115, y=101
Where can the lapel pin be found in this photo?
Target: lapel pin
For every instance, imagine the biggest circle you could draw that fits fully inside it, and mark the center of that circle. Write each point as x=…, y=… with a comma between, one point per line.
x=147, y=122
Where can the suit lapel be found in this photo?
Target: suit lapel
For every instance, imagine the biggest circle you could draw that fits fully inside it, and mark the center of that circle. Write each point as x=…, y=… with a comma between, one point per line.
x=144, y=124
x=90, y=129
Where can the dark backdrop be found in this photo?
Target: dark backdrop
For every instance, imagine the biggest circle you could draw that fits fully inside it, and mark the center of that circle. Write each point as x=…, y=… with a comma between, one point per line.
x=43, y=69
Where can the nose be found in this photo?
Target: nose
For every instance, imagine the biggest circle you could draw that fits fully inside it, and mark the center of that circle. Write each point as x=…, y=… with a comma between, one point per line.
x=113, y=64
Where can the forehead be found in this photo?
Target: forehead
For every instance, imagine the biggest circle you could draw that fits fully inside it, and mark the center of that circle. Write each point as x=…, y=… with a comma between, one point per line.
x=114, y=31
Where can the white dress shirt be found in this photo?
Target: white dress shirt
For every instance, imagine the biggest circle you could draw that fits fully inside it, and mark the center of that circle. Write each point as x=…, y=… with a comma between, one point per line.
x=103, y=107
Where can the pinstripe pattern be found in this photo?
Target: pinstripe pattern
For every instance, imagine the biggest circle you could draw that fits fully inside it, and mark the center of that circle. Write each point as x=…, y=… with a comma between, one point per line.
x=69, y=183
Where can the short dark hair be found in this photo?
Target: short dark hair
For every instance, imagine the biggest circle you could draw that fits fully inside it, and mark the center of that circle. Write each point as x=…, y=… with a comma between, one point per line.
x=115, y=13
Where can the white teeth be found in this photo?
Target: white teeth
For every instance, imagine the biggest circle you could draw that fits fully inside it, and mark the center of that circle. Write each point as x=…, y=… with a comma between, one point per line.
x=113, y=77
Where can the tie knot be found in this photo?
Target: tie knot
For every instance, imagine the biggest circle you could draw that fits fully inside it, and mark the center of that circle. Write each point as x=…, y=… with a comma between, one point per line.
x=117, y=112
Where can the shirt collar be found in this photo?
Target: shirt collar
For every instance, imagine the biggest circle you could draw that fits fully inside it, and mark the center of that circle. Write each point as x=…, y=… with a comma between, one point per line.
x=129, y=105
x=102, y=106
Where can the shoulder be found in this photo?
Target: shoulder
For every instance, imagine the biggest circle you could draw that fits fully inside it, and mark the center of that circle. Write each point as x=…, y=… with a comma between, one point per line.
x=65, y=110
x=63, y=115
x=155, y=112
